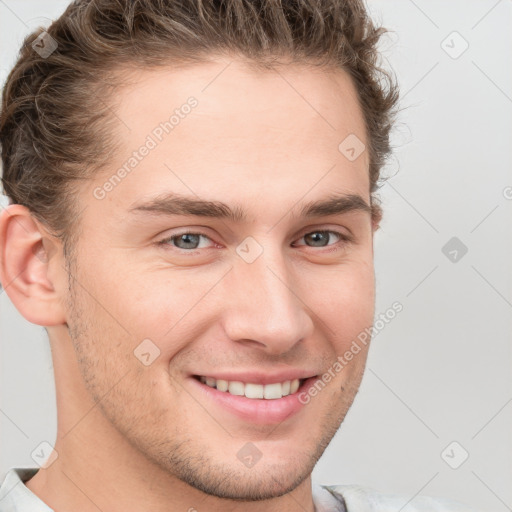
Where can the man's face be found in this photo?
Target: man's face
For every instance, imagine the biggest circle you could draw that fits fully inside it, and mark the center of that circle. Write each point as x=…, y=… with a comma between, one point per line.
x=274, y=297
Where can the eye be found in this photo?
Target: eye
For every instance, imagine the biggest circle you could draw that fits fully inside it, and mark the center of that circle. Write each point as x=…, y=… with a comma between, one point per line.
x=189, y=241
x=321, y=238
x=185, y=241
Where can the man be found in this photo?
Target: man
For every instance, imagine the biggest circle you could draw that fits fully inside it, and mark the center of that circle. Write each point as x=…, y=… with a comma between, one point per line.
x=191, y=218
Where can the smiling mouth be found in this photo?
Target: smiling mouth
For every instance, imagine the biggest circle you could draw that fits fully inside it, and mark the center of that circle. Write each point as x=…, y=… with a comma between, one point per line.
x=251, y=390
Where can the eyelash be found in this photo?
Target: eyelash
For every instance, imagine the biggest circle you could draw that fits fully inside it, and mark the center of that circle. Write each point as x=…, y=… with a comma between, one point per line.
x=166, y=241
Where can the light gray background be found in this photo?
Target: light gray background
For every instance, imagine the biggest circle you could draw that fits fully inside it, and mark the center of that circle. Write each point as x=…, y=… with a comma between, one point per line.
x=441, y=370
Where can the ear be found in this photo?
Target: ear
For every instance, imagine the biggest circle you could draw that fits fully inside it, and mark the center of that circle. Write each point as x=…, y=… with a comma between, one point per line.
x=376, y=217
x=31, y=267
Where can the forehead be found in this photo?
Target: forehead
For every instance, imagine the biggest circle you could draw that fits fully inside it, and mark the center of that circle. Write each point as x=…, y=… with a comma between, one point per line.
x=247, y=129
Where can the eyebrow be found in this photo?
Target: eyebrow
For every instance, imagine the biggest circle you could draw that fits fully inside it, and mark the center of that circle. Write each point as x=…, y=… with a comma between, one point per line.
x=176, y=204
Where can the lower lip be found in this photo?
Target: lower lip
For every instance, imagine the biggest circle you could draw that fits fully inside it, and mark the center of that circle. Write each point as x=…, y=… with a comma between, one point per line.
x=253, y=410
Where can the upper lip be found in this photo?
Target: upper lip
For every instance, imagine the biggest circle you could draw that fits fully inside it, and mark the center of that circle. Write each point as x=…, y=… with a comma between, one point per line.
x=259, y=377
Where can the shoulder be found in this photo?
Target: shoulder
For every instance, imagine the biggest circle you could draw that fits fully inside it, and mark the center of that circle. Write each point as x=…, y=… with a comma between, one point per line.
x=366, y=499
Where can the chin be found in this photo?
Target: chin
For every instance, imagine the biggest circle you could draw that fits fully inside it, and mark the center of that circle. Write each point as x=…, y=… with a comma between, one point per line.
x=251, y=484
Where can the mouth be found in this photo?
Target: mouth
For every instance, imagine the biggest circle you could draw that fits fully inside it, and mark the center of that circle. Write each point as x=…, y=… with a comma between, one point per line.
x=253, y=390
x=252, y=402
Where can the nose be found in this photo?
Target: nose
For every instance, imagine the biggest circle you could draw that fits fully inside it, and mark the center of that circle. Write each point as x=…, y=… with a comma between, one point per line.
x=265, y=305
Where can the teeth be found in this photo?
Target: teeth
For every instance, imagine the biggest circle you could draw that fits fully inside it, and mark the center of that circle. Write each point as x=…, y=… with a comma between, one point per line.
x=257, y=391
x=222, y=385
x=254, y=391
x=236, y=388
x=273, y=391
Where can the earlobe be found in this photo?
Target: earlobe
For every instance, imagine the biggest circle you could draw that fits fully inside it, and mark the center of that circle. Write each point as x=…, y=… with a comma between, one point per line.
x=28, y=264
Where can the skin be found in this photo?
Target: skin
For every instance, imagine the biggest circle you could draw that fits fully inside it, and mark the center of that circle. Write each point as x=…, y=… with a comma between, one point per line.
x=136, y=437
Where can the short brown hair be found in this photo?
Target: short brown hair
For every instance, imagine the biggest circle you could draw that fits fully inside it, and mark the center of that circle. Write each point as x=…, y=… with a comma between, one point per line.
x=55, y=118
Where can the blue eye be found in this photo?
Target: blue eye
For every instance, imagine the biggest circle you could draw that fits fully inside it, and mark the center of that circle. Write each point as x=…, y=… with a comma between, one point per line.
x=185, y=241
x=320, y=238
x=189, y=241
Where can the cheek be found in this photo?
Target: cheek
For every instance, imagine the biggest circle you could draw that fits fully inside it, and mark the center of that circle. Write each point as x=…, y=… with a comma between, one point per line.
x=344, y=298
x=144, y=303
x=170, y=305
x=346, y=306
